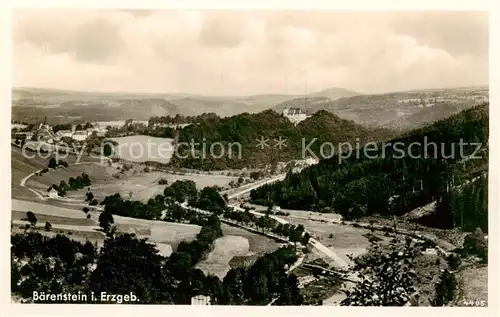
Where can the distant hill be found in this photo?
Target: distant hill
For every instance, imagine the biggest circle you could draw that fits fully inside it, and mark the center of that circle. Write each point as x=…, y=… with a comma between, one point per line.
x=226, y=106
x=61, y=106
x=314, y=101
x=303, y=103
x=383, y=110
x=245, y=129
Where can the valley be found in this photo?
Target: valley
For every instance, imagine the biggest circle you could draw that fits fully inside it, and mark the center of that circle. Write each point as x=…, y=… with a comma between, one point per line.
x=215, y=218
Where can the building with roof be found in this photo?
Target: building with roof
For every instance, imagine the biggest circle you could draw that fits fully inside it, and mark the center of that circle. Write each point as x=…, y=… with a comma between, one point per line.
x=80, y=135
x=295, y=115
x=28, y=135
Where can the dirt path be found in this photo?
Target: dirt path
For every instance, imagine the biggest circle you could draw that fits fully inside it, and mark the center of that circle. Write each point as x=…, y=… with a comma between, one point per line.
x=254, y=186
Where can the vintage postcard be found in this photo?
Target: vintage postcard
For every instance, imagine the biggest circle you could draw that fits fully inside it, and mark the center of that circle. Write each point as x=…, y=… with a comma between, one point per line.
x=249, y=157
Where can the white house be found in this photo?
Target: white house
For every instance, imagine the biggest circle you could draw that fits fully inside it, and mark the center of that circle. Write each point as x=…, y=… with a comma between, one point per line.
x=295, y=115
x=79, y=136
x=200, y=300
x=64, y=133
x=53, y=193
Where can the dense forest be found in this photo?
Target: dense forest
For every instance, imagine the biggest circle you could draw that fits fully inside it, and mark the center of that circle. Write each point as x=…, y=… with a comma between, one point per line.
x=245, y=129
x=387, y=180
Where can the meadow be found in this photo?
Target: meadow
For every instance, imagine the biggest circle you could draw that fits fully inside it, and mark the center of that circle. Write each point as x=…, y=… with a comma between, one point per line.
x=143, y=148
x=225, y=248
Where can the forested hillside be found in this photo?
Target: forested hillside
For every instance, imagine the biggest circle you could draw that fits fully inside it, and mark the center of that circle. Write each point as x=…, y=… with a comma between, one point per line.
x=245, y=129
x=389, y=180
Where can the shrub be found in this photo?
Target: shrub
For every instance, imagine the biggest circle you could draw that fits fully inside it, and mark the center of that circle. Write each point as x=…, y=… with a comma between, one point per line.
x=48, y=226
x=445, y=289
x=31, y=218
x=454, y=261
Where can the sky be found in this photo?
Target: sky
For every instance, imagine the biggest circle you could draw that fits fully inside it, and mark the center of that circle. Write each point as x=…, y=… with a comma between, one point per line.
x=245, y=52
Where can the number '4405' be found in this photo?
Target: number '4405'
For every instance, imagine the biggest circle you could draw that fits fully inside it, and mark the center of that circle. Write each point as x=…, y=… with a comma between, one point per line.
x=476, y=303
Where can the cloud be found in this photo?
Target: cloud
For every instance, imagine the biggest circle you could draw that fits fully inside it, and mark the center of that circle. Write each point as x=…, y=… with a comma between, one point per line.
x=241, y=53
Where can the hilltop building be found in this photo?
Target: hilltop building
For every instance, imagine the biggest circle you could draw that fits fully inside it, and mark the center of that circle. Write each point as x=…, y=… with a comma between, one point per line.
x=295, y=115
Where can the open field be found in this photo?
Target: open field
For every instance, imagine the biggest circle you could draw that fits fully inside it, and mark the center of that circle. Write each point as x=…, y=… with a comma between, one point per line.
x=85, y=229
x=22, y=166
x=97, y=174
x=142, y=148
x=167, y=236
x=156, y=231
x=144, y=186
x=82, y=236
x=304, y=214
x=259, y=244
x=165, y=249
x=225, y=248
x=45, y=209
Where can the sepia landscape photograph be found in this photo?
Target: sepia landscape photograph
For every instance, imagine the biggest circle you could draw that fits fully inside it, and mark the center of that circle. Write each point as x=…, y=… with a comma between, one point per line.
x=257, y=158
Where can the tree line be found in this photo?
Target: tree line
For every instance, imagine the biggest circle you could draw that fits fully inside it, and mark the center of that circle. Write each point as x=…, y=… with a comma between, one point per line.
x=179, y=119
x=294, y=233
